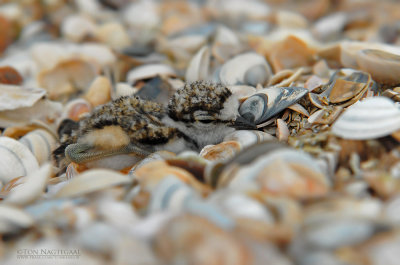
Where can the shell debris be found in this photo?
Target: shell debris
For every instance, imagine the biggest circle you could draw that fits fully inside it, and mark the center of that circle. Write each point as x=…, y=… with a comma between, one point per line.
x=200, y=132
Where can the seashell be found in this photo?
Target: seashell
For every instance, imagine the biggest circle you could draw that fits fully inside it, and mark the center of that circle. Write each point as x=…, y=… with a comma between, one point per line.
x=150, y=174
x=383, y=66
x=10, y=76
x=242, y=92
x=98, y=53
x=239, y=205
x=343, y=90
x=67, y=77
x=288, y=19
x=291, y=53
x=99, y=91
x=313, y=83
x=221, y=151
x=41, y=143
x=248, y=68
x=14, y=97
x=114, y=35
x=16, y=160
x=277, y=170
x=142, y=15
x=44, y=110
x=91, y=181
x=325, y=116
x=270, y=101
x=185, y=236
x=329, y=27
x=368, y=119
x=32, y=188
x=13, y=219
x=300, y=109
x=234, y=8
x=283, y=130
x=77, y=27
x=76, y=108
x=148, y=71
x=199, y=66
x=248, y=137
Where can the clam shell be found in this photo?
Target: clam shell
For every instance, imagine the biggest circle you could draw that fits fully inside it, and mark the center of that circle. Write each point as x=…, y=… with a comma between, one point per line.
x=13, y=219
x=248, y=67
x=221, y=151
x=16, y=159
x=41, y=143
x=368, y=119
x=76, y=108
x=14, y=97
x=32, y=188
x=149, y=71
x=77, y=27
x=199, y=66
x=99, y=91
x=269, y=102
x=91, y=181
x=44, y=109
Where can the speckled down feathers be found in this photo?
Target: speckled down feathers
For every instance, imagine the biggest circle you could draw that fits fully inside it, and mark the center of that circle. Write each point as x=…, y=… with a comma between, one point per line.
x=198, y=95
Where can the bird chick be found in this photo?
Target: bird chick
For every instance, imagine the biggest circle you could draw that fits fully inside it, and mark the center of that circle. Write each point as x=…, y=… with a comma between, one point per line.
x=121, y=132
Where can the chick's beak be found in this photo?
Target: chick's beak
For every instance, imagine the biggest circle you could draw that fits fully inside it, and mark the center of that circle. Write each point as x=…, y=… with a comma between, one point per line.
x=243, y=124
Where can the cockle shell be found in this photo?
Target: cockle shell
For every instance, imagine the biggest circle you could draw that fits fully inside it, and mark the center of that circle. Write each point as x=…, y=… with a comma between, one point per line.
x=248, y=68
x=269, y=102
x=41, y=143
x=16, y=159
x=368, y=119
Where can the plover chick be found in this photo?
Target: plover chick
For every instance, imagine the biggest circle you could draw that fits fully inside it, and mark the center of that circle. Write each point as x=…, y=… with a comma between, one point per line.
x=120, y=133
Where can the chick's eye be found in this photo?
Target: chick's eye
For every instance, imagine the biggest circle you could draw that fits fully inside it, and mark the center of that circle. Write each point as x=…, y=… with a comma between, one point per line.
x=206, y=121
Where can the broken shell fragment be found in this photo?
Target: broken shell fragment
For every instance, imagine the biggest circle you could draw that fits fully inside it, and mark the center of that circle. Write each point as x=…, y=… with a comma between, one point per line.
x=14, y=97
x=269, y=102
x=368, y=119
x=148, y=71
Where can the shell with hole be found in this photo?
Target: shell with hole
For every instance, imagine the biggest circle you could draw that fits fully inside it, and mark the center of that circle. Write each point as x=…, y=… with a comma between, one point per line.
x=270, y=101
x=16, y=159
x=368, y=119
x=245, y=69
x=41, y=143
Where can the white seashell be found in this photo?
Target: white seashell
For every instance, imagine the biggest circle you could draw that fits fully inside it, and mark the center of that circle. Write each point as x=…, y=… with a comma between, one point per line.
x=114, y=35
x=199, y=66
x=16, y=159
x=32, y=188
x=91, y=181
x=44, y=109
x=238, y=205
x=48, y=55
x=98, y=53
x=368, y=119
x=77, y=27
x=248, y=137
x=283, y=130
x=14, y=97
x=242, y=92
x=13, y=218
x=41, y=143
x=148, y=71
x=233, y=72
x=225, y=36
